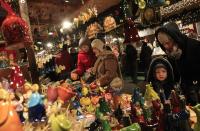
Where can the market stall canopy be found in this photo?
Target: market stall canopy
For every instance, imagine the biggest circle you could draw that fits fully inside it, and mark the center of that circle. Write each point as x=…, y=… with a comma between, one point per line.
x=51, y=11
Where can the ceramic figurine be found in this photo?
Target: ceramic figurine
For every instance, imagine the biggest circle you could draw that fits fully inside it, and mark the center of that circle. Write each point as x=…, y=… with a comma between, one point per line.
x=196, y=109
x=136, y=113
x=65, y=93
x=106, y=125
x=9, y=120
x=17, y=100
x=94, y=125
x=133, y=127
x=52, y=94
x=158, y=115
x=136, y=95
x=57, y=119
x=118, y=113
x=174, y=99
x=36, y=109
x=168, y=123
x=59, y=123
x=184, y=115
x=149, y=124
x=150, y=94
x=104, y=107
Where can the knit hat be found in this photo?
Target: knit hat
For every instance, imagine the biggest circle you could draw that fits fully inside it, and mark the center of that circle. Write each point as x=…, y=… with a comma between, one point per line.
x=97, y=43
x=84, y=41
x=159, y=65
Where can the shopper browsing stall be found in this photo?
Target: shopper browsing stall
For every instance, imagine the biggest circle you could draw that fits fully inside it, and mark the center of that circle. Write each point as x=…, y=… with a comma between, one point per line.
x=106, y=65
x=86, y=58
x=185, y=52
x=64, y=59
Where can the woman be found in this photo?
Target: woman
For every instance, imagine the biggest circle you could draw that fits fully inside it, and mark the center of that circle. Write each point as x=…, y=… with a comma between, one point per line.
x=86, y=58
x=106, y=66
x=106, y=70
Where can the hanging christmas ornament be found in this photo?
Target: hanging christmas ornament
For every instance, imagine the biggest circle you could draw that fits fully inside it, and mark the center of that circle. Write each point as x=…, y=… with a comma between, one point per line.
x=131, y=32
x=167, y=2
x=14, y=28
x=127, y=9
x=142, y=4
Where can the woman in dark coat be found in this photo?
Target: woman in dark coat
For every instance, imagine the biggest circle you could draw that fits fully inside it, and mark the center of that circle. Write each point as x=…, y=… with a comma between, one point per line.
x=185, y=53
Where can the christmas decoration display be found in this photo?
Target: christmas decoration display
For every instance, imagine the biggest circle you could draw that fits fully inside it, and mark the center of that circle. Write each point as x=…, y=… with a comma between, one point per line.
x=75, y=105
x=85, y=16
x=141, y=3
x=17, y=80
x=131, y=32
x=178, y=7
x=14, y=28
x=109, y=23
x=93, y=29
x=127, y=9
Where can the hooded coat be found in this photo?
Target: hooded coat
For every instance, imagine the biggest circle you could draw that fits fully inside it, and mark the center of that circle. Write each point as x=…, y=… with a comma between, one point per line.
x=106, y=68
x=189, y=63
x=166, y=85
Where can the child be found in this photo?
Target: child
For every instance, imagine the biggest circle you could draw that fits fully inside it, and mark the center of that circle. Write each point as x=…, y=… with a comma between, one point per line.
x=161, y=76
x=86, y=58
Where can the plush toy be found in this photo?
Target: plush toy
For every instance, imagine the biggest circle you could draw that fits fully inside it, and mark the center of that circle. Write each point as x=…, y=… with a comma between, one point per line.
x=36, y=109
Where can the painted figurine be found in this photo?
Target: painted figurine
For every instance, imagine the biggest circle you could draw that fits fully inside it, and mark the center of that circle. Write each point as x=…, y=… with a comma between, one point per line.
x=36, y=110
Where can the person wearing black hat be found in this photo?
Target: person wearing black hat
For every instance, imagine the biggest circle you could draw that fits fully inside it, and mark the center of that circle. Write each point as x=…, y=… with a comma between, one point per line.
x=86, y=57
x=160, y=74
x=184, y=52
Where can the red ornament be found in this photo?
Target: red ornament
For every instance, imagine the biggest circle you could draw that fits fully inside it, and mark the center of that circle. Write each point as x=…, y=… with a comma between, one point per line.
x=52, y=94
x=131, y=32
x=17, y=79
x=15, y=29
x=65, y=94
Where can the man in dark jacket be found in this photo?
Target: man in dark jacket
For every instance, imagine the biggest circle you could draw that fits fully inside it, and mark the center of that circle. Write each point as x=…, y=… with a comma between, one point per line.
x=131, y=62
x=186, y=54
x=145, y=56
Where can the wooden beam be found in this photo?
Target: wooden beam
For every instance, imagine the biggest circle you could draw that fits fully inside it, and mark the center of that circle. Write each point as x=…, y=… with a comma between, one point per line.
x=29, y=46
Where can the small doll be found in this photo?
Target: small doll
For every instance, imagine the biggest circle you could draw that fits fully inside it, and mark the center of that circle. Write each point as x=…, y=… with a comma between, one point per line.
x=36, y=107
x=17, y=100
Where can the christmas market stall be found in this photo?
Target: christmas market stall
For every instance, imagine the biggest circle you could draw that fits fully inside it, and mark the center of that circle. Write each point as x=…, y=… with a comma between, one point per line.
x=39, y=93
